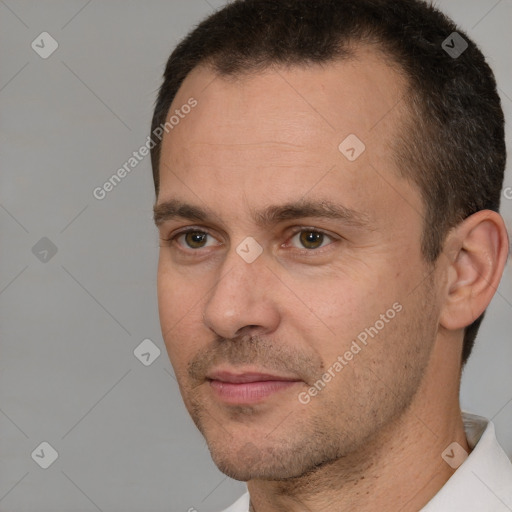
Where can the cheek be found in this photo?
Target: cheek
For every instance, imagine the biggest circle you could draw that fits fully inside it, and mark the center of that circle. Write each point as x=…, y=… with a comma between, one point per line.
x=177, y=292
x=341, y=306
x=179, y=307
x=181, y=349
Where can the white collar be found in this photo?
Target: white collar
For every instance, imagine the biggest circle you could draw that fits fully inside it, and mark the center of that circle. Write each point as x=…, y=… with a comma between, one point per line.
x=483, y=482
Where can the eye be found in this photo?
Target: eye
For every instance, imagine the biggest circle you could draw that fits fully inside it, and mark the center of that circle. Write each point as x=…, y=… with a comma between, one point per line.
x=310, y=239
x=194, y=239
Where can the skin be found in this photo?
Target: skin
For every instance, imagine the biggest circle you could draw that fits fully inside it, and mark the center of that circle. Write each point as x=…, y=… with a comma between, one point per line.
x=372, y=438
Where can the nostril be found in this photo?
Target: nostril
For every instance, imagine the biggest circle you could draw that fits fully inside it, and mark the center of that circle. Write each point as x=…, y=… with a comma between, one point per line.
x=247, y=330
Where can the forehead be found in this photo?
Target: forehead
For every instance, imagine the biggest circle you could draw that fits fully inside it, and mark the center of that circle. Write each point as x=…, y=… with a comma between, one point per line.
x=353, y=94
x=279, y=131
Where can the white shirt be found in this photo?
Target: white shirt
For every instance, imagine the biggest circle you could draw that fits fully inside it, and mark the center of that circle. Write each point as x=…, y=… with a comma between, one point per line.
x=482, y=483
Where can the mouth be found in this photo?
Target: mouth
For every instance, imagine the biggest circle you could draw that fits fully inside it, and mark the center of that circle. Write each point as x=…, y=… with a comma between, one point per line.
x=247, y=387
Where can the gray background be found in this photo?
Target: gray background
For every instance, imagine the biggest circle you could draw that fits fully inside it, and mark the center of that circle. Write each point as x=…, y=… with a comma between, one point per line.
x=69, y=325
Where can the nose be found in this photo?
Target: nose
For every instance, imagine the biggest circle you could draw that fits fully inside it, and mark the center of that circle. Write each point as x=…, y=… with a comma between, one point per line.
x=241, y=302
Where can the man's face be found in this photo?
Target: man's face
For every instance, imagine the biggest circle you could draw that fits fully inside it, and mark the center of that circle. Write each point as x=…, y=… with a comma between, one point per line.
x=260, y=157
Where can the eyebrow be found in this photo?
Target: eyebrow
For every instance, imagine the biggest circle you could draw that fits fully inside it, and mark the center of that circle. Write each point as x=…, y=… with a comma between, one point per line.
x=271, y=215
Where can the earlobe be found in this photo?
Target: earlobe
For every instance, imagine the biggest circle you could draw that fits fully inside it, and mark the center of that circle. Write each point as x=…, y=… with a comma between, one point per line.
x=477, y=250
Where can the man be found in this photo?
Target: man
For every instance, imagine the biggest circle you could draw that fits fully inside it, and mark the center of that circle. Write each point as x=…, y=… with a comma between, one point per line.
x=328, y=186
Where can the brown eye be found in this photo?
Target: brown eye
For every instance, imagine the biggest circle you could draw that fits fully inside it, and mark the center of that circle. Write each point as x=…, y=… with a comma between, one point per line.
x=195, y=239
x=311, y=239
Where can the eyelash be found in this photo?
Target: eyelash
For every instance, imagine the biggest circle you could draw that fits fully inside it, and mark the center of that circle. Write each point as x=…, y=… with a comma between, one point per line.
x=172, y=238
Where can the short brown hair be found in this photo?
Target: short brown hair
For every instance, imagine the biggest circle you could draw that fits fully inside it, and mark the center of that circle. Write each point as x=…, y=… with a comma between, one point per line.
x=453, y=142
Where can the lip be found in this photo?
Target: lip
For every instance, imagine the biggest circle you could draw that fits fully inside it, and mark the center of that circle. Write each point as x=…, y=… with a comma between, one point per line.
x=247, y=387
x=236, y=378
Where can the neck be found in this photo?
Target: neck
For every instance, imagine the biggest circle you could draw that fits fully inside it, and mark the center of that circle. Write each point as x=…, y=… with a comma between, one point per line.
x=399, y=469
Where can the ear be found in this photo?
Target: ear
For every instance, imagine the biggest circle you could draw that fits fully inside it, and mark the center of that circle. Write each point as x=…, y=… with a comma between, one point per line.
x=477, y=251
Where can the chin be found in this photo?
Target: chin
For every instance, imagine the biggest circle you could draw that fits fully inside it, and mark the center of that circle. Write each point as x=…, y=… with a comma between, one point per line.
x=253, y=462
